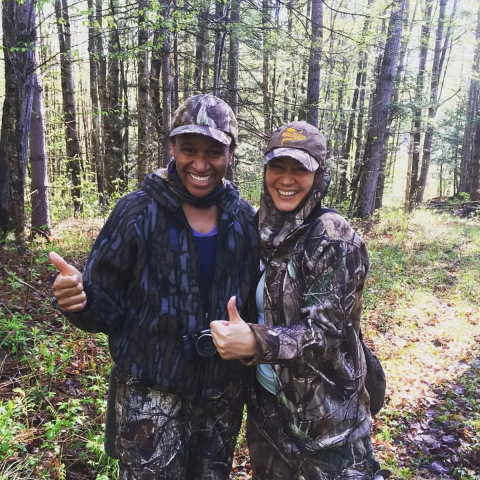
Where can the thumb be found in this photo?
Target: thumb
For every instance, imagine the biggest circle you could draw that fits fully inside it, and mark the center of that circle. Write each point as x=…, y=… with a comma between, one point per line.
x=61, y=264
x=232, y=310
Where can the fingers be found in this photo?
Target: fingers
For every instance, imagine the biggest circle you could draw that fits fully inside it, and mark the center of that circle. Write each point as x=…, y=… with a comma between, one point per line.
x=61, y=264
x=232, y=310
x=68, y=286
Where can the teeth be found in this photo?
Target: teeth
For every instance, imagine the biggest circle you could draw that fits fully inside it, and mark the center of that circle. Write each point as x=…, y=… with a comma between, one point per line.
x=286, y=194
x=197, y=178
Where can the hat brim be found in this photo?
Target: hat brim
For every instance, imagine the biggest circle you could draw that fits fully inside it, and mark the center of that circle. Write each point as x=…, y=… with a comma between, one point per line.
x=303, y=157
x=212, y=132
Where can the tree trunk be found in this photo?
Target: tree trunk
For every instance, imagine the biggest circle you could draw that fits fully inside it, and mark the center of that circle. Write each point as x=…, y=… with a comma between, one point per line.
x=221, y=11
x=359, y=81
x=313, y=90
x=112, y=122
x=19, y=41
x=166, y=93
x=267, y=128
x=156, y=109
x=143, y=102
x=40, y=217
x=432, y=110
x=94, y=56
x=418, y=104
x=234, y=56
x=375, y=146
x=475, y=163
x=69, y=105
x=201, y=45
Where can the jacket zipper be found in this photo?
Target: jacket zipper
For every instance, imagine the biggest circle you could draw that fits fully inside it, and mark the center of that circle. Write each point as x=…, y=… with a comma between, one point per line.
x=283, y=315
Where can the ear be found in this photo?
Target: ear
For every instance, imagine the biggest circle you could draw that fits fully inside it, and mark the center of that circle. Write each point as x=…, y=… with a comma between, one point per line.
x=172, y=146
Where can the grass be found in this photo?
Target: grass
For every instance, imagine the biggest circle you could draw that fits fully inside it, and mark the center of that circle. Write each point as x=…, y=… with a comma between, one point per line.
x=421, y=317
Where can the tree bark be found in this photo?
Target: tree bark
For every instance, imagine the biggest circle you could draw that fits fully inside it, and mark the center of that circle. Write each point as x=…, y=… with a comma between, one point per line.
x=114, y=170
x=94, y=56
x=143, y=102
x=432, y=109
x=40, y=217
x=475, y=163
x=69, y=105
x=375, y=146
x=347, y=149
x=166, y=93
x=313, y=90
x=221, y=11
x=418, y=104
x=201, y=46
x=234, y=56
x=267, y=128
x=19, y=41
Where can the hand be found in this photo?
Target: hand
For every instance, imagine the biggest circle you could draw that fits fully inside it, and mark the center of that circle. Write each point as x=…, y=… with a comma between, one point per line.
x=233, y=339
x=68, y=286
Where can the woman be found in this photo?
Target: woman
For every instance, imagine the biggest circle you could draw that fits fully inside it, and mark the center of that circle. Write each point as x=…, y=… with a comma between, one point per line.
x=309, y=413
x=169, y=257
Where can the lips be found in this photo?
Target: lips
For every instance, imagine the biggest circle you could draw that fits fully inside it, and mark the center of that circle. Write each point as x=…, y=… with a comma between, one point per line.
x=287, y=193
x=200, y=178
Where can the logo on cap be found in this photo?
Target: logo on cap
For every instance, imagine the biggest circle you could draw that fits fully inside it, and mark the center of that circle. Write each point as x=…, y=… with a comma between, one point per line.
x=292, y=135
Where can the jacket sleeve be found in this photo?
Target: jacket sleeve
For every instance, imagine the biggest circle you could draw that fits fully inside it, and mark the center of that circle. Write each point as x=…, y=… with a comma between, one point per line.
x=334, y=273
x=108, y=271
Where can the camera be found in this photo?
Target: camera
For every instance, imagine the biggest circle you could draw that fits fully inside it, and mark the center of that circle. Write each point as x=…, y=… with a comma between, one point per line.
x=198, y=344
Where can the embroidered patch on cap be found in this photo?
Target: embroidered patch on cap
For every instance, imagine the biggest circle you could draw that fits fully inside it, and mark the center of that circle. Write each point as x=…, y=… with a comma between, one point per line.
x=292, y=135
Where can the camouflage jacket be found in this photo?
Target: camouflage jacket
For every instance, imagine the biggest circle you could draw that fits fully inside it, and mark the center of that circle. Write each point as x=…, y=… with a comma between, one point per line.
x=142, y=283
x=313, y=303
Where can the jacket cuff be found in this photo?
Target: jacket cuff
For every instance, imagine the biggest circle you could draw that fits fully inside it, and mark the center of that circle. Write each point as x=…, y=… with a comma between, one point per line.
x=259, y=331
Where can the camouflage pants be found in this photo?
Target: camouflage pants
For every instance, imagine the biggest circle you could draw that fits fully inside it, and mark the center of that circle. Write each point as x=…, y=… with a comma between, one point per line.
x=163, y=436
x=268, y=447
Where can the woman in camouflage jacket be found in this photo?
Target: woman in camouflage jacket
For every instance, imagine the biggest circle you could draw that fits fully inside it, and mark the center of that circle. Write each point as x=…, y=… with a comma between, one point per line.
x=169, y=257
x=309, y=413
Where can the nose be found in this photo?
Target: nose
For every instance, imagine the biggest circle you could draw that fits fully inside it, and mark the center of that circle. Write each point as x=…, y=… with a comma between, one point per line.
x=288, y=178
x=201, y=163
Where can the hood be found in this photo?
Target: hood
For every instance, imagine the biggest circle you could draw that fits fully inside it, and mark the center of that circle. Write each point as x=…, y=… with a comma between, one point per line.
x=277, y=227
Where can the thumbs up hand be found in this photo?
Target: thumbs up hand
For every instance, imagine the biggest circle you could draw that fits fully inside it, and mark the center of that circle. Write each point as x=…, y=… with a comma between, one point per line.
x=234, y=339
x=68, y=286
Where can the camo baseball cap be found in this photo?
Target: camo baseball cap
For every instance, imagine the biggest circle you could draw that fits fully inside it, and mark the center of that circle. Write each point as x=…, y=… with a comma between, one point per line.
x=298, y=140
x=206, y=115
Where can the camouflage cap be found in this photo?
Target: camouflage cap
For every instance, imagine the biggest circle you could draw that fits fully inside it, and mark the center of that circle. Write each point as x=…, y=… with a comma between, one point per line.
x=298, y=140
x=206, y=115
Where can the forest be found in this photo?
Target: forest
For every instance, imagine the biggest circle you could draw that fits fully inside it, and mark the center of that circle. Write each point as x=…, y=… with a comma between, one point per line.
x=88, y=90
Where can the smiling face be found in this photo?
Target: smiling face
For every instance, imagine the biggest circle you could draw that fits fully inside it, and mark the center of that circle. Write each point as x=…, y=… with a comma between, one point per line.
x=287, y=182
x=201, y=162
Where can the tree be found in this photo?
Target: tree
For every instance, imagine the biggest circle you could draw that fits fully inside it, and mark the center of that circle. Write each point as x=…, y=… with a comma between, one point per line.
x=143, y=96
x=94, y=55
x=313, y=89
x=40, y=217
x=433, y=106
x=113, y=139
x=375, y=146
x=166, y=87
x=69, y=105
x=475, y=168
x=19, y=40
x=418, y=103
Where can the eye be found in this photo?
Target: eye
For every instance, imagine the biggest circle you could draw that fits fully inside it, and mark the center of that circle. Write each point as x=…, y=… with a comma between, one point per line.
x=215, y=153
x=187, y=149
x=275, y=165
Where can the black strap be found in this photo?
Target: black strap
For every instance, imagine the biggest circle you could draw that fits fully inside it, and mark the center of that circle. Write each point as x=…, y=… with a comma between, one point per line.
x=317, y=212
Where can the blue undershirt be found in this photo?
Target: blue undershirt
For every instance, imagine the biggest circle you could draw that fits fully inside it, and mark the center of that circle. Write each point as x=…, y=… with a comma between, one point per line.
x=207, y=252
x=264, y=370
